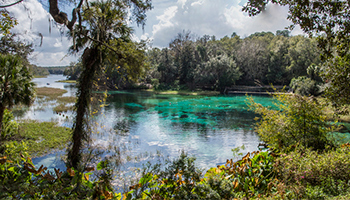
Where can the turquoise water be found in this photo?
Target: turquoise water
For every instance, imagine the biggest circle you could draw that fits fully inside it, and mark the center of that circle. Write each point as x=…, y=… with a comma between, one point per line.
x=206, y=127
x=145, y=124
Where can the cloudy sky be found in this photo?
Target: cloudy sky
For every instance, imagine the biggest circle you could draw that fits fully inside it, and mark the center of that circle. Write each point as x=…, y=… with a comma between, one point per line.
x=164, y=21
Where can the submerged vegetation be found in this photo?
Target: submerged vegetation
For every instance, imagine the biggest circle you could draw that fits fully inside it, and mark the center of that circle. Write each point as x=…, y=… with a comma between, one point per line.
x=50, y=93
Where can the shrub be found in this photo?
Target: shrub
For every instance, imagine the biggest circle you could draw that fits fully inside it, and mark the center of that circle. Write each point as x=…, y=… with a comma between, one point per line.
x=315, y=175
x=21, y=180
x=9, y=126
x=252, y=176
x=305, y=86
x=297, y=120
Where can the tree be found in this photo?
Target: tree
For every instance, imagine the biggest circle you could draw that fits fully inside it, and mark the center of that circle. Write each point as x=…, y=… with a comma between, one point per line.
x=6, y=22
x=302, y=53
x=296, y=120
x=9, y=44
x=252, y=57
x=284, y=33
x=103, y=34
x=328, y=21
x=73, y=70
x=220, y=72
x=15, y=83
x=184, y=57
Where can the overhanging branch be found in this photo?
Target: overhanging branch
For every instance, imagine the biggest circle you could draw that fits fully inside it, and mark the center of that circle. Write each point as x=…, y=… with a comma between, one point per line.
x=12, y=4
x=61, y=17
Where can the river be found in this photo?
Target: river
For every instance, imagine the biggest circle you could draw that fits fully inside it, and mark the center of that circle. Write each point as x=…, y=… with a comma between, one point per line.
x=207, y=127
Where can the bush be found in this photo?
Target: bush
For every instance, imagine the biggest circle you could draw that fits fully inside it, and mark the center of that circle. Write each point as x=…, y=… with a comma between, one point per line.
x=9, y=126
x=155, y=83
x=252, y=176
x=305, y=86
x=315, y=175
x=21, y=180
x=297, y=120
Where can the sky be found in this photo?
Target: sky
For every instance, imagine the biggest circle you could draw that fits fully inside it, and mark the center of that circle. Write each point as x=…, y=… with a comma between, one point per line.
x=164, y=22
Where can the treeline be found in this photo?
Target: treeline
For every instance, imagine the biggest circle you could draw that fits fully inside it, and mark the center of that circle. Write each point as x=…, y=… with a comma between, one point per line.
x=56, y=70
x=217, y=64
x=208, y=63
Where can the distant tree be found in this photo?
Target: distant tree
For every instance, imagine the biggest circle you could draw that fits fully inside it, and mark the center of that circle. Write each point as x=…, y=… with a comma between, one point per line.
x=73, y=70
x=277, y=69
x=166, y=68
x=234, y=34
x=302, y=52
x=328, y=21
x=284, y=33
x=184, y=57
x=15, y=83
x=219, y=72
x=252, y=57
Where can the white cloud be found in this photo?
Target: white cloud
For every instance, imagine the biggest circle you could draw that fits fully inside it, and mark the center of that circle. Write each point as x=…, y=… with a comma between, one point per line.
x=219, y=18
x=164, y=22
x=34, y=19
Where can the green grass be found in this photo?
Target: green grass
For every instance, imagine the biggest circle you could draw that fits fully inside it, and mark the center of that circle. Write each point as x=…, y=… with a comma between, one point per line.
x=50, y=93
x=67, y=81
x=43, y=137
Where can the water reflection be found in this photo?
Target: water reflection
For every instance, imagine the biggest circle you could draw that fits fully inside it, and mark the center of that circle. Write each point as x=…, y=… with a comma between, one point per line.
x=42, y=110
x=146, y=123
x=207, y=127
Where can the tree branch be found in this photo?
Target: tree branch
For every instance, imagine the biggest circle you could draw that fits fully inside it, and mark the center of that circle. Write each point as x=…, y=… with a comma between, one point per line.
x=61, y=17
x=5, y=6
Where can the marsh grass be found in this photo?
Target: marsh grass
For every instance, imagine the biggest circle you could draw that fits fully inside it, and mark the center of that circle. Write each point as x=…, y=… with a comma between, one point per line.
x=42, y=137
x=66, y=99
x=67, y=81
x=62, y=108
x=38, y=76
x=49, y=93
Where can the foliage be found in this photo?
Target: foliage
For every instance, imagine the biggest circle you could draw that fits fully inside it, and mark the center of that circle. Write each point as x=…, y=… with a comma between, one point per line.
x=73, y=71
x=336, y=74
x=262, y=57
x=176, y=181
x=9, y=126
x=10, y=44
x=328, y=22
x=297, y=120
x=305, y=86
x=15, y=83
x=251, y=176
x=22, y=180
x=220, y=71
x=7, y=22
x=312, y=175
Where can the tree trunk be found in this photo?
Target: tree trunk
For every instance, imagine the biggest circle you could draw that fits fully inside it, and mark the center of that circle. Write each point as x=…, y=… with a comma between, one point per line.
x=90, y=65
x=2, y=109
